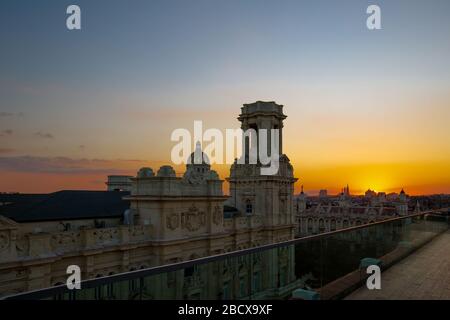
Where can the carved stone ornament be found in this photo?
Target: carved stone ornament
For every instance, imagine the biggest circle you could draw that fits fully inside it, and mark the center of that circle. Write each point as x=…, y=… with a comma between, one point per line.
x=193, y=219
x=217, y=215
x=4, y=240
x=172, y=221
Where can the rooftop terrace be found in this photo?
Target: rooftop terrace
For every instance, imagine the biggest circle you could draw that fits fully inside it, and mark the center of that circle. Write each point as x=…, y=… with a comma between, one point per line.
x=413, y=252
x=424, y=274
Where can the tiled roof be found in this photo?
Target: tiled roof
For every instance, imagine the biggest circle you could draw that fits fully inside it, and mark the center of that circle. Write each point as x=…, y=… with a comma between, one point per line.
x=63, y=205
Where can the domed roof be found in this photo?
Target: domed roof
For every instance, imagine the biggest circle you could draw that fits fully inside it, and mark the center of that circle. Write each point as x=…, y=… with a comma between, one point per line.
x=145, y=173
x=212, y=175
x=198, y=156
x=166, y=171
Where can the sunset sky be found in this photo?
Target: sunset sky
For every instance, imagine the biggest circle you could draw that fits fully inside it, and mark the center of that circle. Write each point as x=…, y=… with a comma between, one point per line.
x=366, y=108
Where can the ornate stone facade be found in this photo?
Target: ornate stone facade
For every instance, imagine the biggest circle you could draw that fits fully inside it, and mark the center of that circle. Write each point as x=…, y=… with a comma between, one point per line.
x=269, y=197
x=170, y=219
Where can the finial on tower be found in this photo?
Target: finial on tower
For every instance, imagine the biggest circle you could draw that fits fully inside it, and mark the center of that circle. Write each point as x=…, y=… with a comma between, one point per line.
x=198, y=157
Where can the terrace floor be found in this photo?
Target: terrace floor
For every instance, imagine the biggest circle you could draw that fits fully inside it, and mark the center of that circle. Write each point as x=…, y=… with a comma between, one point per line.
x=424, y=275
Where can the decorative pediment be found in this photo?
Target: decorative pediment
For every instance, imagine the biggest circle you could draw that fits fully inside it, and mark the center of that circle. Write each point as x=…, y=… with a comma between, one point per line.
x=7, y=224
x=7, y=237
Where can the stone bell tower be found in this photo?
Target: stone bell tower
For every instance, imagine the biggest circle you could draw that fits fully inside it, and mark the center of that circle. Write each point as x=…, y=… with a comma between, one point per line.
x=262, y=115
x=269, y=196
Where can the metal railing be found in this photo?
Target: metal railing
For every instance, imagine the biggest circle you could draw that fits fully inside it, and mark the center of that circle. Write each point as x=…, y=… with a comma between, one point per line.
x=271, y=271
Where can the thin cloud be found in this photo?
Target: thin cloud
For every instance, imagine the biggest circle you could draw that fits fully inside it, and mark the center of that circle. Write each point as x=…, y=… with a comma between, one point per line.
x=63, y=165
x=44, y=135
x=11, y=114
x=6, y=150
x=97, y=182
x=6, y=132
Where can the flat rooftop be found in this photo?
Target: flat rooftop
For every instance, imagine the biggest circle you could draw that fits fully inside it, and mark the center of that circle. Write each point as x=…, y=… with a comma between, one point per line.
x=423, y=275
x=63, y=205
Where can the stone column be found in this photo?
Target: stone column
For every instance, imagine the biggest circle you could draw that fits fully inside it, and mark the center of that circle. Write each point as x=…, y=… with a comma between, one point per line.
x=124, y=233
x=39, y=277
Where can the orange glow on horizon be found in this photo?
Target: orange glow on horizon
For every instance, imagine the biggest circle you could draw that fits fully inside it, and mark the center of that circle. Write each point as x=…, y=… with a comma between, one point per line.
x=327, y=152
x=415, y=178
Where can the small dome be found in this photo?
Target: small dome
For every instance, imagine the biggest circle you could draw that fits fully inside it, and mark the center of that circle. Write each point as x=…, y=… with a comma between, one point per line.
x=212, y=175
x=198, y=156
x=145, y=173
x=166, y=171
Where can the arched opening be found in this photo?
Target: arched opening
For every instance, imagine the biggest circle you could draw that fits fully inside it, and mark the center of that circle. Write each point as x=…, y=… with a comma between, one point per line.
x=310, y=225
x=333, y=225
x=345, y=224
x=321, y=225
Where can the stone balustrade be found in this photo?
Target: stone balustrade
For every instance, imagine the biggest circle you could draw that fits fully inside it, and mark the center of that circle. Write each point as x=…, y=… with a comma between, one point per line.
x=47, y=244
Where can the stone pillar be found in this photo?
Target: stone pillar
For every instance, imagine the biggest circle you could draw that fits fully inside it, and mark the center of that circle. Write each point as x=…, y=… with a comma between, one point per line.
x=89, y=267
x=125, y=261
x=39, y=276
x=124, y=234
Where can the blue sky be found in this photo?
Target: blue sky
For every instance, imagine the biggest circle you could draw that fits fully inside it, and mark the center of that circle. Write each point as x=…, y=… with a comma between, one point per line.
x=139, y=69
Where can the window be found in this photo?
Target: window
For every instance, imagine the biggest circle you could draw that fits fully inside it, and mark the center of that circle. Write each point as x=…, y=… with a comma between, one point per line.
x=256, y=282
x=333, y=225
x=171, y=278
x=248, y=207
x=189, y=271
x=310, y=225
x=283, y=276
x=242, y=287
x=226, y=291
x=321, y=225
x=98, y=292
x=110, y=290
x=59, y=296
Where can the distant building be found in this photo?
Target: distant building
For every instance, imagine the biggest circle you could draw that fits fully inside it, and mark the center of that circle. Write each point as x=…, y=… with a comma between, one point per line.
x=346, y=211
x=119, y=183
x=323, y=194
x=402, y=204
x=376, y=199
x=392, y=196
x=370, y=194
x=346, y=191
x=381, y=197
x=300, y=202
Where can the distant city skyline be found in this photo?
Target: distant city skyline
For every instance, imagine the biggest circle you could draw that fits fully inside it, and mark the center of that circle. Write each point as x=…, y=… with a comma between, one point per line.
x=365, y=108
